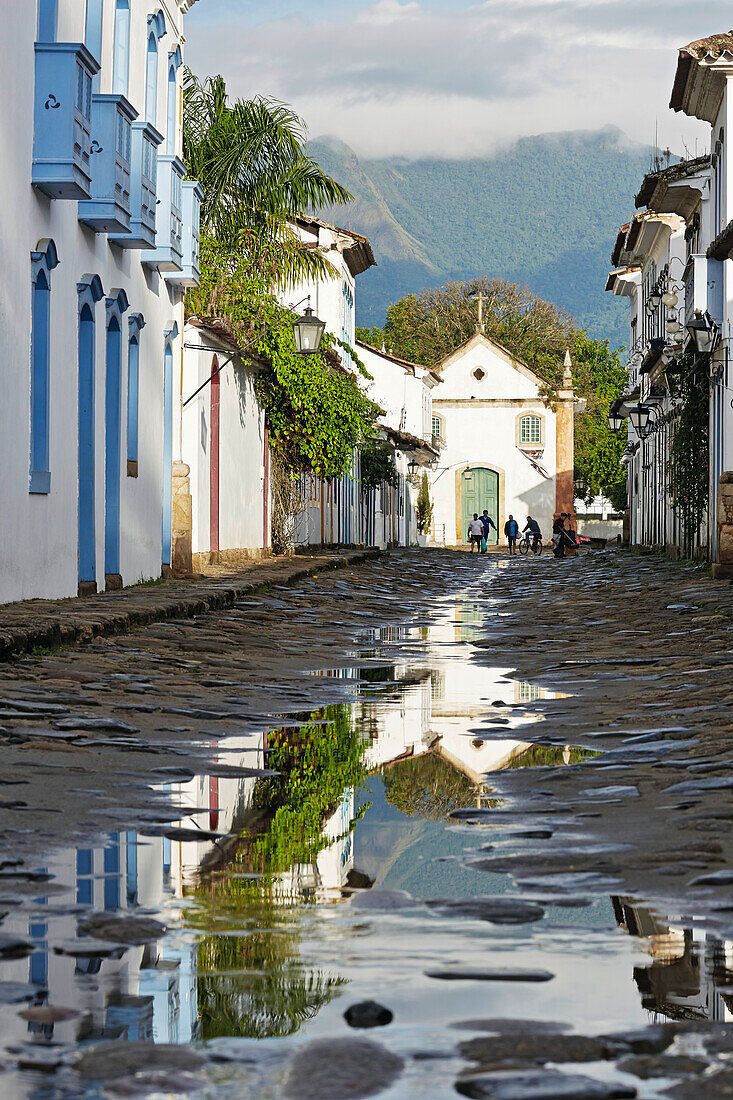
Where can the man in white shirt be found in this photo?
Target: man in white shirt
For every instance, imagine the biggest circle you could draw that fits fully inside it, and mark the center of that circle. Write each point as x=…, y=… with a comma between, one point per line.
x=475, y=532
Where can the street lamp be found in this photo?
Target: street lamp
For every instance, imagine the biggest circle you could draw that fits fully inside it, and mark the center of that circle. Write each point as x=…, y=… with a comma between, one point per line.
x=308, y=332
x=639, y=417
x=615, y=420
x=704, y=332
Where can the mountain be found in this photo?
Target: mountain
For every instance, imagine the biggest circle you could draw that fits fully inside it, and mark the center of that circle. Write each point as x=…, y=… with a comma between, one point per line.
x=543, y=211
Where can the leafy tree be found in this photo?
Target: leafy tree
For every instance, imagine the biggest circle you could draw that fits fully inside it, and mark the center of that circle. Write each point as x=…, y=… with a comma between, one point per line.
x=600, y=377
x=377, y=466
x=427, y=327
x=249, y=157
x=689, y=452
x=424, y=506
x=375, y=337
x=428, y=787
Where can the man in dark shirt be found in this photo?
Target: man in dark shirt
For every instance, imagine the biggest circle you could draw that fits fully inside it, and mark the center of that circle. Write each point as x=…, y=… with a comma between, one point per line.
x=532, y=530
x=511, y=530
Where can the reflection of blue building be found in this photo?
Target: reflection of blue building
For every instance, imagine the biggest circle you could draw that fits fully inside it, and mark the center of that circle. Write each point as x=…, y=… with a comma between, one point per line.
x=150, y=993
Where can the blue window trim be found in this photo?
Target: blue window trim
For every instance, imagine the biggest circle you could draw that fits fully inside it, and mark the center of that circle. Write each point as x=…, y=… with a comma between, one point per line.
x=89, y=292
x=151, y=79
x=136, y=325
x=121, y=55
x=47, y=20
x=43, y=261
x=171, y=110
x=156, y=23
x=93, y=34
x=169, y=336
x=116, y=304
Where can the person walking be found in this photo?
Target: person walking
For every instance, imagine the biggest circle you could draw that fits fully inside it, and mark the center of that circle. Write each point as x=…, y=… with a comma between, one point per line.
x=488, y=523
x=511, y=530
x=532, y=530
x=475, y=532
x=558, y=531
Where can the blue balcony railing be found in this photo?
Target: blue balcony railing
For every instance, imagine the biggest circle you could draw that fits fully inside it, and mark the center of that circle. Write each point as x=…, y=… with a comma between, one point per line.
x=62, y=122
x=108, y=210
x=193, y=194
x=167, y=255
x=143, y=183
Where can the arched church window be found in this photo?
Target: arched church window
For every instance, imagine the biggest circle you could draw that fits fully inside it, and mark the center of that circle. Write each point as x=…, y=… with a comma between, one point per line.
x=530, y=429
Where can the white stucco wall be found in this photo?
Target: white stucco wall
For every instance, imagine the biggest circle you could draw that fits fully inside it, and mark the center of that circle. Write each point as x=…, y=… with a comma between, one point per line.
x=38, y=533
x=480, y=430
x=241, y=448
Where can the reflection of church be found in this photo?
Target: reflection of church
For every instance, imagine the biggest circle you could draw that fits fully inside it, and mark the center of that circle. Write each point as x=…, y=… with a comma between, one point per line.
x=504, y=448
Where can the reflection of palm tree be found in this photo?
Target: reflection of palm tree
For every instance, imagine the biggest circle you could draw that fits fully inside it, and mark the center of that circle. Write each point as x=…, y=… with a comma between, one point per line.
x=254, y=986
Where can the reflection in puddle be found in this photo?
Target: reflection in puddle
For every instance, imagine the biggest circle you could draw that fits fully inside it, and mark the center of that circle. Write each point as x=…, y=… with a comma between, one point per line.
x=262, y=942
x=690, y=975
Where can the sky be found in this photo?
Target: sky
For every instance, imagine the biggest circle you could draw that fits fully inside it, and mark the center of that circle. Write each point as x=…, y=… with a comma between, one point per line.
x=450, y=78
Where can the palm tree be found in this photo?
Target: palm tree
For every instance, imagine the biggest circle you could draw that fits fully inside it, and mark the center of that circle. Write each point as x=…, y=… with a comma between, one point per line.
x=250, y=159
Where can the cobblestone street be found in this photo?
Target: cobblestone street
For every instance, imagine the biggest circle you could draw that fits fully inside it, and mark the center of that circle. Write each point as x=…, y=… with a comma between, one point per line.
x=408, y=780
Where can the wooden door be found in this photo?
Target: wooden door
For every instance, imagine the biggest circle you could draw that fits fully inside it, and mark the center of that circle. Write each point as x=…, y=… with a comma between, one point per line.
x=479, y=490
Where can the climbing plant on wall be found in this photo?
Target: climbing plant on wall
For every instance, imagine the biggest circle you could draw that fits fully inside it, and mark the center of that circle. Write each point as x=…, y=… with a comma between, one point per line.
x=689, y=451
x=315, y=409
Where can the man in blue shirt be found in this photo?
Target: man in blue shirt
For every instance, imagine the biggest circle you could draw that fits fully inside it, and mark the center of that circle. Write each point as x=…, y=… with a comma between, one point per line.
x=511, y=530
x=488, y=523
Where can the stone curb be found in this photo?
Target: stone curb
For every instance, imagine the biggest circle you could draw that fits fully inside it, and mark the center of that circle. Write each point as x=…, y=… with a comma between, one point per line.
x=51, y=623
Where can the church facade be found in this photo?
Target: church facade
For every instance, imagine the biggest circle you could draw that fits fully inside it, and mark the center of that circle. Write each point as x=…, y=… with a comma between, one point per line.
x=502, y=446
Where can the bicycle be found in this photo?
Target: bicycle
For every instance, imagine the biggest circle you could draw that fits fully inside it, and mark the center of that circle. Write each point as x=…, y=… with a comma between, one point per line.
x=535, y=546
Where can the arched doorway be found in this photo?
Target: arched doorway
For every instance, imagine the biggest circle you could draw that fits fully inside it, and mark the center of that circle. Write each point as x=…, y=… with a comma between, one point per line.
x=479, y=490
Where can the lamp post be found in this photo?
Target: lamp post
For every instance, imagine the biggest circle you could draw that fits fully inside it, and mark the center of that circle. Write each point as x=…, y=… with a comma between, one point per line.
x=704, y=332
x=308, y=332
x=639, y=417
x=615, y=420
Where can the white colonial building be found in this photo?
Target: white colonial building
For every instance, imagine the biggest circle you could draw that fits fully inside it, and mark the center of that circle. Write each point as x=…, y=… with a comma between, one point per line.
x=501, y=449
x=673, y=262
x=98, y=239
x=404, y=393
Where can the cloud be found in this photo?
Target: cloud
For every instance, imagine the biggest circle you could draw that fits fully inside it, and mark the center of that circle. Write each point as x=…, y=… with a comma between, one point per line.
x=456, y=78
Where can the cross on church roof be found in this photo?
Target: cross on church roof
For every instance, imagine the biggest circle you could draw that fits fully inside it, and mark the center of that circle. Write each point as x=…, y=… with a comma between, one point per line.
x=479, y=294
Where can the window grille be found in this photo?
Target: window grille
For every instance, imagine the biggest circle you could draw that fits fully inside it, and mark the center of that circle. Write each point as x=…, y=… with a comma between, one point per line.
x=530, y=429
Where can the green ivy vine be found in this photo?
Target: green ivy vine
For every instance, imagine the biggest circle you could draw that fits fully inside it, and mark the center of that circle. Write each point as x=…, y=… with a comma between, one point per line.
x=688, y=470
x=316, y=411
x=377, y=465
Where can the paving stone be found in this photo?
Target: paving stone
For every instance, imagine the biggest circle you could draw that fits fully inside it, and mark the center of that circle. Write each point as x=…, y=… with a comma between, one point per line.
x=368, y=1014
x=541, y=1086
x=492, y=1052
x=384, y=900
x=497, y=910
x=491, y=974
x=131, y=930
x=107, y=1061
x=339, y=1069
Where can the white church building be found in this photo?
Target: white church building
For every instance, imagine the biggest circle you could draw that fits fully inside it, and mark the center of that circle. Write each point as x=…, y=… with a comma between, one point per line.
x=502, y=446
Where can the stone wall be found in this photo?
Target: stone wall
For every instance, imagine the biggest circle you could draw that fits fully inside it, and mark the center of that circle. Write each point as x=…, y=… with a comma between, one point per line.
x=723, y=565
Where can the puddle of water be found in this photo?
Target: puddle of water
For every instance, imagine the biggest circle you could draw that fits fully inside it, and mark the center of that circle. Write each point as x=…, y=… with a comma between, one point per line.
x=264, y=948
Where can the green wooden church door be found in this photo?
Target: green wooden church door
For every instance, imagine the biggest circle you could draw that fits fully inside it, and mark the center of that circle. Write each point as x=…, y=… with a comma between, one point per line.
x=479, y=490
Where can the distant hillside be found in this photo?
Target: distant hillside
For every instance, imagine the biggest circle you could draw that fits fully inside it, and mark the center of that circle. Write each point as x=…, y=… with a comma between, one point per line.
x=543, y=211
